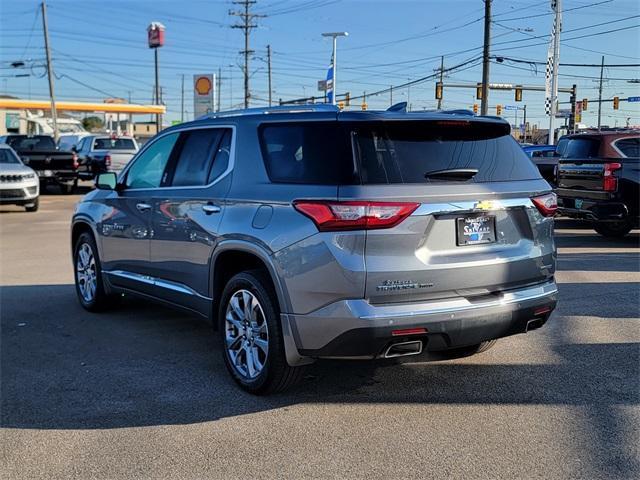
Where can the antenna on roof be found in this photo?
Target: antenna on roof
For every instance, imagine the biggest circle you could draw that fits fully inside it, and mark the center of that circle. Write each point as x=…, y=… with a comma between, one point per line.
x=398, y=107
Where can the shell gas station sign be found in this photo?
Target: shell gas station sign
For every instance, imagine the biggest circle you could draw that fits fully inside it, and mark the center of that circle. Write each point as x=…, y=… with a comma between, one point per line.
x=203, y=94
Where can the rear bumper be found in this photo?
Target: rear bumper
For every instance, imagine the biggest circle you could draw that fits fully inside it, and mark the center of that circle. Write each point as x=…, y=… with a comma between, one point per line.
x=357, y=329
x=591, y=209
x=57, y=177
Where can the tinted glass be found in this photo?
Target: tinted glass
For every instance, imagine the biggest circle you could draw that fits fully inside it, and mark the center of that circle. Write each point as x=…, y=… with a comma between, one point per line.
x=196, y=151
x=630, y=147
x=543, y=153
x=404, y=152
x=7, y=156
x=581, y=148
x=221, y=160
x=148, y=169
x=37, y=143
x=313, y=153
x=113, y=144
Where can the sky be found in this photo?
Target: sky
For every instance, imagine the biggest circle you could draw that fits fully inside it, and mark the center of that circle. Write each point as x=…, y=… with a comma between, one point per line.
x=99, y=50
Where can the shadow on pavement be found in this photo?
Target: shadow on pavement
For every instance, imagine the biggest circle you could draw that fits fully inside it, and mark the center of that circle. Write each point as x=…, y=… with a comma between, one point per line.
x=568, y=240
x=600, y=262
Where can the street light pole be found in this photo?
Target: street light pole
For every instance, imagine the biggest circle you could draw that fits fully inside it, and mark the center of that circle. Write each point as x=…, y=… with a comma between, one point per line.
x=600, y=93
x=334, y=66
x=557, y=27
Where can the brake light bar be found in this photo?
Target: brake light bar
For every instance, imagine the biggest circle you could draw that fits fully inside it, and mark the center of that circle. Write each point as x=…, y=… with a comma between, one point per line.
x=609, y=180
x=354, y=215
x=546, y=204
x=75, y=161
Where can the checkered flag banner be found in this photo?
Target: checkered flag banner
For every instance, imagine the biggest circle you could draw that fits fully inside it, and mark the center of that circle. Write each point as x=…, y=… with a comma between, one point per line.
x=552, y=96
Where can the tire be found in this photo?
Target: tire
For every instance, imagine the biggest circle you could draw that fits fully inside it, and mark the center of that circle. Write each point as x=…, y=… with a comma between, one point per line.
x=68, y=188
x=267, y=371
x=34, y=206
x=613, y=229
x=468, y=351
x=86, y=271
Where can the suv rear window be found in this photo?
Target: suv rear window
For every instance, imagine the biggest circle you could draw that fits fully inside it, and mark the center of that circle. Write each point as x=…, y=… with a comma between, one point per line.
x=391, y=152
x=405, y=152
x=113, y=144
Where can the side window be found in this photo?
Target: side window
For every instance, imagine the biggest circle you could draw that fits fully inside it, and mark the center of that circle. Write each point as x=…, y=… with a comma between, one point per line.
x=148, y=169
x=221, y=160
x=196, y=149
x=630, y=147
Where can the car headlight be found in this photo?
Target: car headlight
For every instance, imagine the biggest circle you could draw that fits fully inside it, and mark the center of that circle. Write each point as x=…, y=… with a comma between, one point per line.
x=29, y=176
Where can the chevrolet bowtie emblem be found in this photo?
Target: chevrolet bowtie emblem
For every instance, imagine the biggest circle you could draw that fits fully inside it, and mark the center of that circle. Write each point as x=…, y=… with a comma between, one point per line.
x=484, y=205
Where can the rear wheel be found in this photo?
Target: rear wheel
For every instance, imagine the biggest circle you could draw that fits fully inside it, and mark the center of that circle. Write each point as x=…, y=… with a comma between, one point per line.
x=613, y=229
x=468, y=351
x=251, y=335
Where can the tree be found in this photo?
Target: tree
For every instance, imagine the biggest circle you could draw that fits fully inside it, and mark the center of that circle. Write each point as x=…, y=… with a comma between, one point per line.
x=92, y=123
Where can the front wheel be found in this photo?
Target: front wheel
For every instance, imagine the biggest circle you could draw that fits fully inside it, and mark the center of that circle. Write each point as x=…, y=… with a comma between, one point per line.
x=88, y=274
x=251, y=335
x=613, y=229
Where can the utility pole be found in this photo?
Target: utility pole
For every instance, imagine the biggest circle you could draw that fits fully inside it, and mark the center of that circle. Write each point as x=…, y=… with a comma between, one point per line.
x=441, y=80
x=50, y=74
x=246, y=26
x=269, y=70
x=182, y=102
x=600, y=93
x=484, y=106
x=524, y=122
x=219, y=88
x=157, y=75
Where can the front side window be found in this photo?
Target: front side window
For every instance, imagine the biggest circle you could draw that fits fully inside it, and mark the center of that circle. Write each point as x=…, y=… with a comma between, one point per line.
x=148, y=169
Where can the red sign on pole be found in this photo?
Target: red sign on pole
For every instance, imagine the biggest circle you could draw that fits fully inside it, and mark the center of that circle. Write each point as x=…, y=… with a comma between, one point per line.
x=155, y=35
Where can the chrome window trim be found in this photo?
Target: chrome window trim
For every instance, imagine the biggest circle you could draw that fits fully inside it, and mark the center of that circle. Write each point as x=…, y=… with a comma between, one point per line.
x=229, y=169
x=471, y=206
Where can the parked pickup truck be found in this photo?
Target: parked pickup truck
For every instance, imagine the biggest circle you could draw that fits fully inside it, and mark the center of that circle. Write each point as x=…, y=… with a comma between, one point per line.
x=104, y=153
x=40, y=153
x=598, y=179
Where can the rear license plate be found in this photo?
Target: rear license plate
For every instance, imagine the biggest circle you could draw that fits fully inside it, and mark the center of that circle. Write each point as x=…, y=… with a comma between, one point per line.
x=45, y=173
x=476, y=230
x=578, y=203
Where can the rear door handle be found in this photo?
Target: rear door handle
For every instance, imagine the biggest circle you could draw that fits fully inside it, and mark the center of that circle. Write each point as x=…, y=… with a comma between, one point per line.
x=143, y=207
x=209, y=209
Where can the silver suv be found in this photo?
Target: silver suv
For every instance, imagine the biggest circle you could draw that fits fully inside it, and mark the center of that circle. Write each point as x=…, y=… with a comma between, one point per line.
x=306, y=233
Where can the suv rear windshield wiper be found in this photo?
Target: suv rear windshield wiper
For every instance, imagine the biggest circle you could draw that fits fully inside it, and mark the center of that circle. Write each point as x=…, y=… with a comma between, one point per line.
x=455, y=174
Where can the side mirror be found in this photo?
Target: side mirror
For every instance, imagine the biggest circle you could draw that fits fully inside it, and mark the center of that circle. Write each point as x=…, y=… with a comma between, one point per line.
x=74, y=149
x=107, y=181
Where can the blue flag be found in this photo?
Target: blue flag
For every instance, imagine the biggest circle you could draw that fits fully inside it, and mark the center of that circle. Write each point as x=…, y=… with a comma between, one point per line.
x=330, y=81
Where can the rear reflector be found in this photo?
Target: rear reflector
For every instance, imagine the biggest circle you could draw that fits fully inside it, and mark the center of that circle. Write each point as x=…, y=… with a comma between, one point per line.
x=75, y=161
x=408, y=331
x=332, y=216
x=610, y=182
x=546, y=204
x=541, y=311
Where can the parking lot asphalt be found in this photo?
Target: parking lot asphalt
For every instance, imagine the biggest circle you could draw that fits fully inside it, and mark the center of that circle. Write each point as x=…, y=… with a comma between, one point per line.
x=142, y=392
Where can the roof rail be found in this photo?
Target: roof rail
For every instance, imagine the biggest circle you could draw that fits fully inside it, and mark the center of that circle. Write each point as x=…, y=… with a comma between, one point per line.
x=322, y=107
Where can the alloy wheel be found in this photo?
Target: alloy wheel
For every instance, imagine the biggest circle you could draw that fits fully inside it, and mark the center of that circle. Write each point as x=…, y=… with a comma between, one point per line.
x=246, y=334
x=86, y=272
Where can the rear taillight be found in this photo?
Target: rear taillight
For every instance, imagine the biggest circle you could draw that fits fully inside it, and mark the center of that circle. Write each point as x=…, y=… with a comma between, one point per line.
x=610, y=182
x=331, y=216
x=107, y=160
x=546, y=204
x=75, y=161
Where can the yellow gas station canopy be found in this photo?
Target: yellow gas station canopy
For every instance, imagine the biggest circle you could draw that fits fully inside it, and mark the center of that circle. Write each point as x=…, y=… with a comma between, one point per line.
x=15, y=104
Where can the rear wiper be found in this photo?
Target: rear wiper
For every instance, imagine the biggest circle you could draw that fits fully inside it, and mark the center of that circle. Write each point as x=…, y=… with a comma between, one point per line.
x=456, y=174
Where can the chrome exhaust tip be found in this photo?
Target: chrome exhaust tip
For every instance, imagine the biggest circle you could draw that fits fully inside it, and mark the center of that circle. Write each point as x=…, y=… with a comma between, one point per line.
x=404, y=349
x=533, y=324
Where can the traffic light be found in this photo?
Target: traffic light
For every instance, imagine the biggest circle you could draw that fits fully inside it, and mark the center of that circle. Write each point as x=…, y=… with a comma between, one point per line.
x=475, y=108
x=585, y=104
x=341, y=105
x=347, y=99
x=498, y=110
x=518, y=94
x=616, y=103
x=438, y=90
x=479, y=91
x=364, y=105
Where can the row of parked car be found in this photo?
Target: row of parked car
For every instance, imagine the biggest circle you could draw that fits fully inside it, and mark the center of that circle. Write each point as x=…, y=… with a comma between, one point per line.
x=30, y=162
